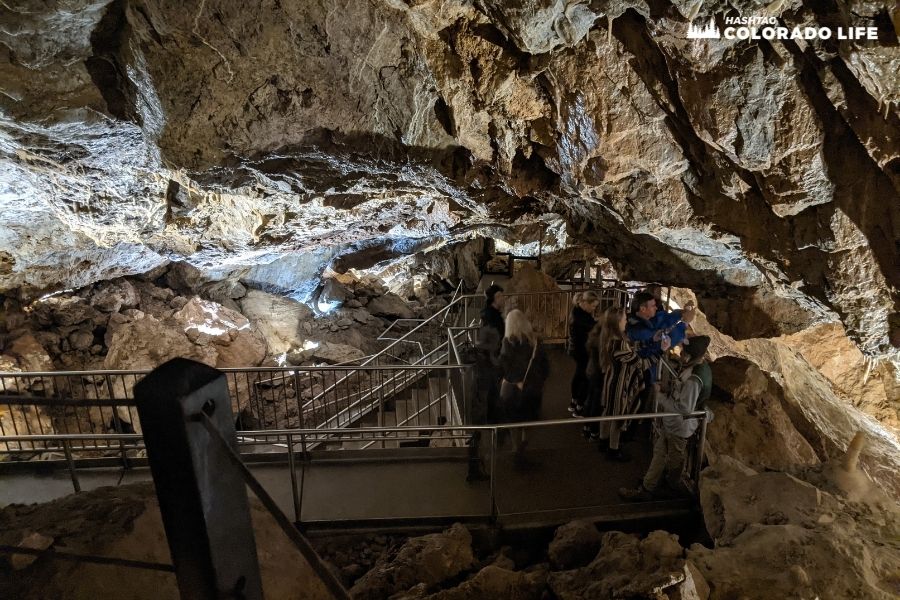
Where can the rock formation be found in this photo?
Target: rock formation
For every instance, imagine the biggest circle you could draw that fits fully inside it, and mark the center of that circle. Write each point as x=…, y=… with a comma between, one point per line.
x=763, y=172
x=125, y=522
x=824, y=531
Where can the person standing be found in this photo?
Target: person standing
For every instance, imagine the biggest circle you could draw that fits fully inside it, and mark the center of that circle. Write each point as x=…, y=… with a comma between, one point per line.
x=623, y=380
x=525, y=367
x=580, y=325
x=689, y=393
x=485, y=405
x=653, y=332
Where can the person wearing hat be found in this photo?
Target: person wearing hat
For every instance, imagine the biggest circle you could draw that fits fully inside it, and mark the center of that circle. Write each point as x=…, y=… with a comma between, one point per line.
x=689, y=393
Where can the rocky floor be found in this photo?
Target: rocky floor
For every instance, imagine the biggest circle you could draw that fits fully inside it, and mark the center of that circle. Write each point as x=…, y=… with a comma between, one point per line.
x=821, y=532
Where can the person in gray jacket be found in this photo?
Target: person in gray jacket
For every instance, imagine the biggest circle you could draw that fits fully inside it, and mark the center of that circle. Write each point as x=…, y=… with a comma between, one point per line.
x=689, y=394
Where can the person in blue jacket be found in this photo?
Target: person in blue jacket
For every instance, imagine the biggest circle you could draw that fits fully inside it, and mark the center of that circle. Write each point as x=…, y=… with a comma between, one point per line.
x=654, y=331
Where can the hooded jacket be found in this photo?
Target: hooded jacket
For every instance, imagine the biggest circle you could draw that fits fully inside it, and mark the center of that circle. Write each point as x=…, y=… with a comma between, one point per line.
x=684, y=399
x=579, y=329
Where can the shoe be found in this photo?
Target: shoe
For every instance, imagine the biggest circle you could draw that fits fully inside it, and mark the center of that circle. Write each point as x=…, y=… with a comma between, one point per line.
x=579, y=411
x=638, y=494
x=617, y=454
x=586, y=433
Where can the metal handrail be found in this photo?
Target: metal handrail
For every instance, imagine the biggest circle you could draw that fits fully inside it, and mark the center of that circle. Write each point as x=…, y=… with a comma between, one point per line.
x=304, y=435
x=698, y=414
x=384, y=350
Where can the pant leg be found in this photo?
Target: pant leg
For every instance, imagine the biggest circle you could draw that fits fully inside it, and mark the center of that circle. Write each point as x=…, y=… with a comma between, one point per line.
x=675, y=456
x=580, y=380
x=657, y=464
x=614, y=434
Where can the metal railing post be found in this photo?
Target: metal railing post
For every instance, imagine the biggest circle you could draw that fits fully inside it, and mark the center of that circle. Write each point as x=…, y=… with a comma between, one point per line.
x=294, y=496
x=303, y=464
x=206, y=519
x=67, y=449
x=701, y=444
x=116, y=422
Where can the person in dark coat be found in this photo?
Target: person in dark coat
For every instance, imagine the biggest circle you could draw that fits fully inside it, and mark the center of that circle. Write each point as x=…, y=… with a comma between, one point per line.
x=525, y=368
x=580, y=325
x=485, y=406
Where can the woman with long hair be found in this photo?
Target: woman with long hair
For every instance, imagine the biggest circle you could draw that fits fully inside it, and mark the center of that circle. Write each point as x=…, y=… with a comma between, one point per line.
x=581, y=323
x=524, y=366
x=623, y=379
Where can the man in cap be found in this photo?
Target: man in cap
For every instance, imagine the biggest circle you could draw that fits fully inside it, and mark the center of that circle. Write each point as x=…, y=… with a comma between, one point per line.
x=689, y=393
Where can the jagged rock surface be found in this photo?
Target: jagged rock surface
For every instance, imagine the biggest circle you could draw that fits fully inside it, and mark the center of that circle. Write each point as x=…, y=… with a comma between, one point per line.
x=766, y=173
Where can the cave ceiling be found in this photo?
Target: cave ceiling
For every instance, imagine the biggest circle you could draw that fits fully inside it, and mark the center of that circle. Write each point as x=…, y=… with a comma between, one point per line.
x=233, y=134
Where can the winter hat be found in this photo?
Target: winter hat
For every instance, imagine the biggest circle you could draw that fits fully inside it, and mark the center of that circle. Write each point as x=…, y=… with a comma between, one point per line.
x=696, y=347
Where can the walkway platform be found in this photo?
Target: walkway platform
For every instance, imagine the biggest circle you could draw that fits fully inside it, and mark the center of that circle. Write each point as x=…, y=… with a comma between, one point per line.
x=565, y=478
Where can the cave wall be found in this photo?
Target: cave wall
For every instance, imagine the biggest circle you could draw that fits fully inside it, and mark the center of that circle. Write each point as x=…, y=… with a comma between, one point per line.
x=765, y=173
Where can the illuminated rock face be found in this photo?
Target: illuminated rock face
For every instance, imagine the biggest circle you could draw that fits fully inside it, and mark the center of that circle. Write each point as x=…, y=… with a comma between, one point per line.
x=766, y=174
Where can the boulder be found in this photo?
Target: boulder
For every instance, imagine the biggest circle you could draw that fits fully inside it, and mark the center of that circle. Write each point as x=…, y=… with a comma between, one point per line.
x=753, y=426
x=427, y=560
x=81, y=339
x=791, y=536
x=334, y=292
x=227, y=289
x=147, y=342
x=113, y=296
x=628, y=567
x=236, y=340
x=332, y=353
x=389, y=306
x=30, y=354
x=574, y=545
x=279, y=319
x=63, y=311
x=495, y=582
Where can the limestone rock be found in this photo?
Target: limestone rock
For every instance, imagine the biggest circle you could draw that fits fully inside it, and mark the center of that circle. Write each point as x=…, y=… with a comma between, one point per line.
x=389, y=306
x=333, y=354
x=114, y=296
x=227, y=289
x=279, y=319
x=574, y=545
x=496, y=582
x=430, y=560
x=792, y=537
x=753, y=426
x=627, y=566
x=238, y=344
x=63, y=311
x=29, y=354
x=147, y=342
x=853, y=376
x=32, y=541
x=81, y=339
x=26, y=418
